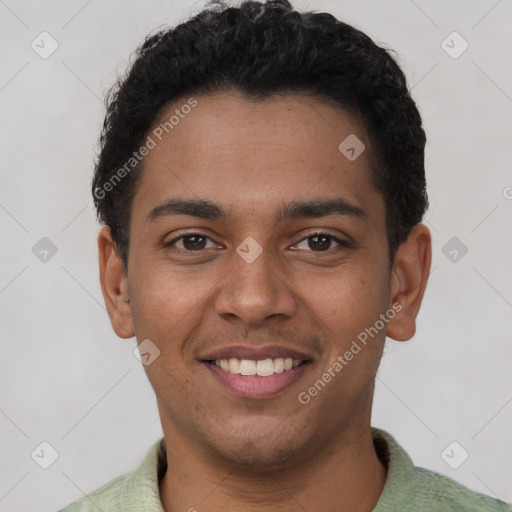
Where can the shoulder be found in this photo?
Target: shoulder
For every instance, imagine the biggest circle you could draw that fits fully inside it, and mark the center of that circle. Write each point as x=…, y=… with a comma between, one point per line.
x=438, y=493
x=138, y=490
x=410, y=488
x=107, y=497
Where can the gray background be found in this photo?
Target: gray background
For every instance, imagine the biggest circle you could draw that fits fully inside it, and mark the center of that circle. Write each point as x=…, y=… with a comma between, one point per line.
x=68, y=380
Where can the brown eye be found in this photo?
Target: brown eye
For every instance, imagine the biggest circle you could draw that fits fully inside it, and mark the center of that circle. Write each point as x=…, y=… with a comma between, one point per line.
x=193, y=242
x=320, y=242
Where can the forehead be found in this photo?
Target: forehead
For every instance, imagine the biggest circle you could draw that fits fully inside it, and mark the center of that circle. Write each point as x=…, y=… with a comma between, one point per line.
x=253, y=155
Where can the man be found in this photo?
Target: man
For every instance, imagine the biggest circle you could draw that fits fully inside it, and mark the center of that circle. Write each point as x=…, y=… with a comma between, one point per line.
x=261, y=184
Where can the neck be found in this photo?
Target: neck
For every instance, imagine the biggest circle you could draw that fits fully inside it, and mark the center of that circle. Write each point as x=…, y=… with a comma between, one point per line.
x=346, y=475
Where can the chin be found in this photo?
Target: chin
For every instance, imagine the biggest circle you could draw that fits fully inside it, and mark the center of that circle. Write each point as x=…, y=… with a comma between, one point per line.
x=261, y=453
x=255, y=459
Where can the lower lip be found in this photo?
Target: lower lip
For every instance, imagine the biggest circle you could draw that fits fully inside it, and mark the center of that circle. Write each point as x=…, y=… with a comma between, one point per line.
x=252, y=386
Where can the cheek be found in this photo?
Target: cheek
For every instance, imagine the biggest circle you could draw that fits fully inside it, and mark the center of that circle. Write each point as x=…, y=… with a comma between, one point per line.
x=163, y=301
x=349, y=300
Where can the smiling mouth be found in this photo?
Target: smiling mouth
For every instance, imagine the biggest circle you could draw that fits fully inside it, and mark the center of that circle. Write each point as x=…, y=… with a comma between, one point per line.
x=260, y=367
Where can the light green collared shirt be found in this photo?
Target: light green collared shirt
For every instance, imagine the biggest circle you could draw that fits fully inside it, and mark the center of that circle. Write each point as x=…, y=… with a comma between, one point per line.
x=407, y=489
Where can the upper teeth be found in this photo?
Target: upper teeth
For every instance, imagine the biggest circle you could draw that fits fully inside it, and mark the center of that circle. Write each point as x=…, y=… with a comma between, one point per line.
x=262, y=368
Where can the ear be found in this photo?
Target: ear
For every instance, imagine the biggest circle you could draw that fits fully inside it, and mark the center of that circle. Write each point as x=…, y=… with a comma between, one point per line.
x=114, y=285
x=409, y=277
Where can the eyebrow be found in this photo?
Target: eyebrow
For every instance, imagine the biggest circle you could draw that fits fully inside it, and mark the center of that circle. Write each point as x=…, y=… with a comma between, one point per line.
x=209, y=210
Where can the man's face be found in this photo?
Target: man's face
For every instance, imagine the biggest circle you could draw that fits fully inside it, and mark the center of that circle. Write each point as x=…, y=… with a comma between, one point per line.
x=213, y=296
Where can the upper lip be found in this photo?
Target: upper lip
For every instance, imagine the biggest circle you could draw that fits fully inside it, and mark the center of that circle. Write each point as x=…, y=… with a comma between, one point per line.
x=254, y=353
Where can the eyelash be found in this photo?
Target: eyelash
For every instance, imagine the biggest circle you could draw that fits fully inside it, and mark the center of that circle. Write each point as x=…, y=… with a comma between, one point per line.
x=341, y=242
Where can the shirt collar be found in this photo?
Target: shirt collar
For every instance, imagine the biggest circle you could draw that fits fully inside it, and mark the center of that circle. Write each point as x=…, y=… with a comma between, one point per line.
x=140, y=489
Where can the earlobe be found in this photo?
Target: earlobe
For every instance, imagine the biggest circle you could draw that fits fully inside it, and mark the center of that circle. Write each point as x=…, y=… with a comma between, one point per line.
x=114, y=285
x=409, y=278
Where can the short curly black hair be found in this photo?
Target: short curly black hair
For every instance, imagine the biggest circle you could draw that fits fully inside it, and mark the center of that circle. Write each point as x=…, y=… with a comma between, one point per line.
x=261, y=49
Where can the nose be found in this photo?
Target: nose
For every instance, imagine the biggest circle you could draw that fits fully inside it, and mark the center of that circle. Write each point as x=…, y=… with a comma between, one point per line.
x=255, y=291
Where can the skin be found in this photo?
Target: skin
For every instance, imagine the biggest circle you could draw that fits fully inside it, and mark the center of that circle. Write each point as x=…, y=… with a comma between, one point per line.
x=226, y=451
